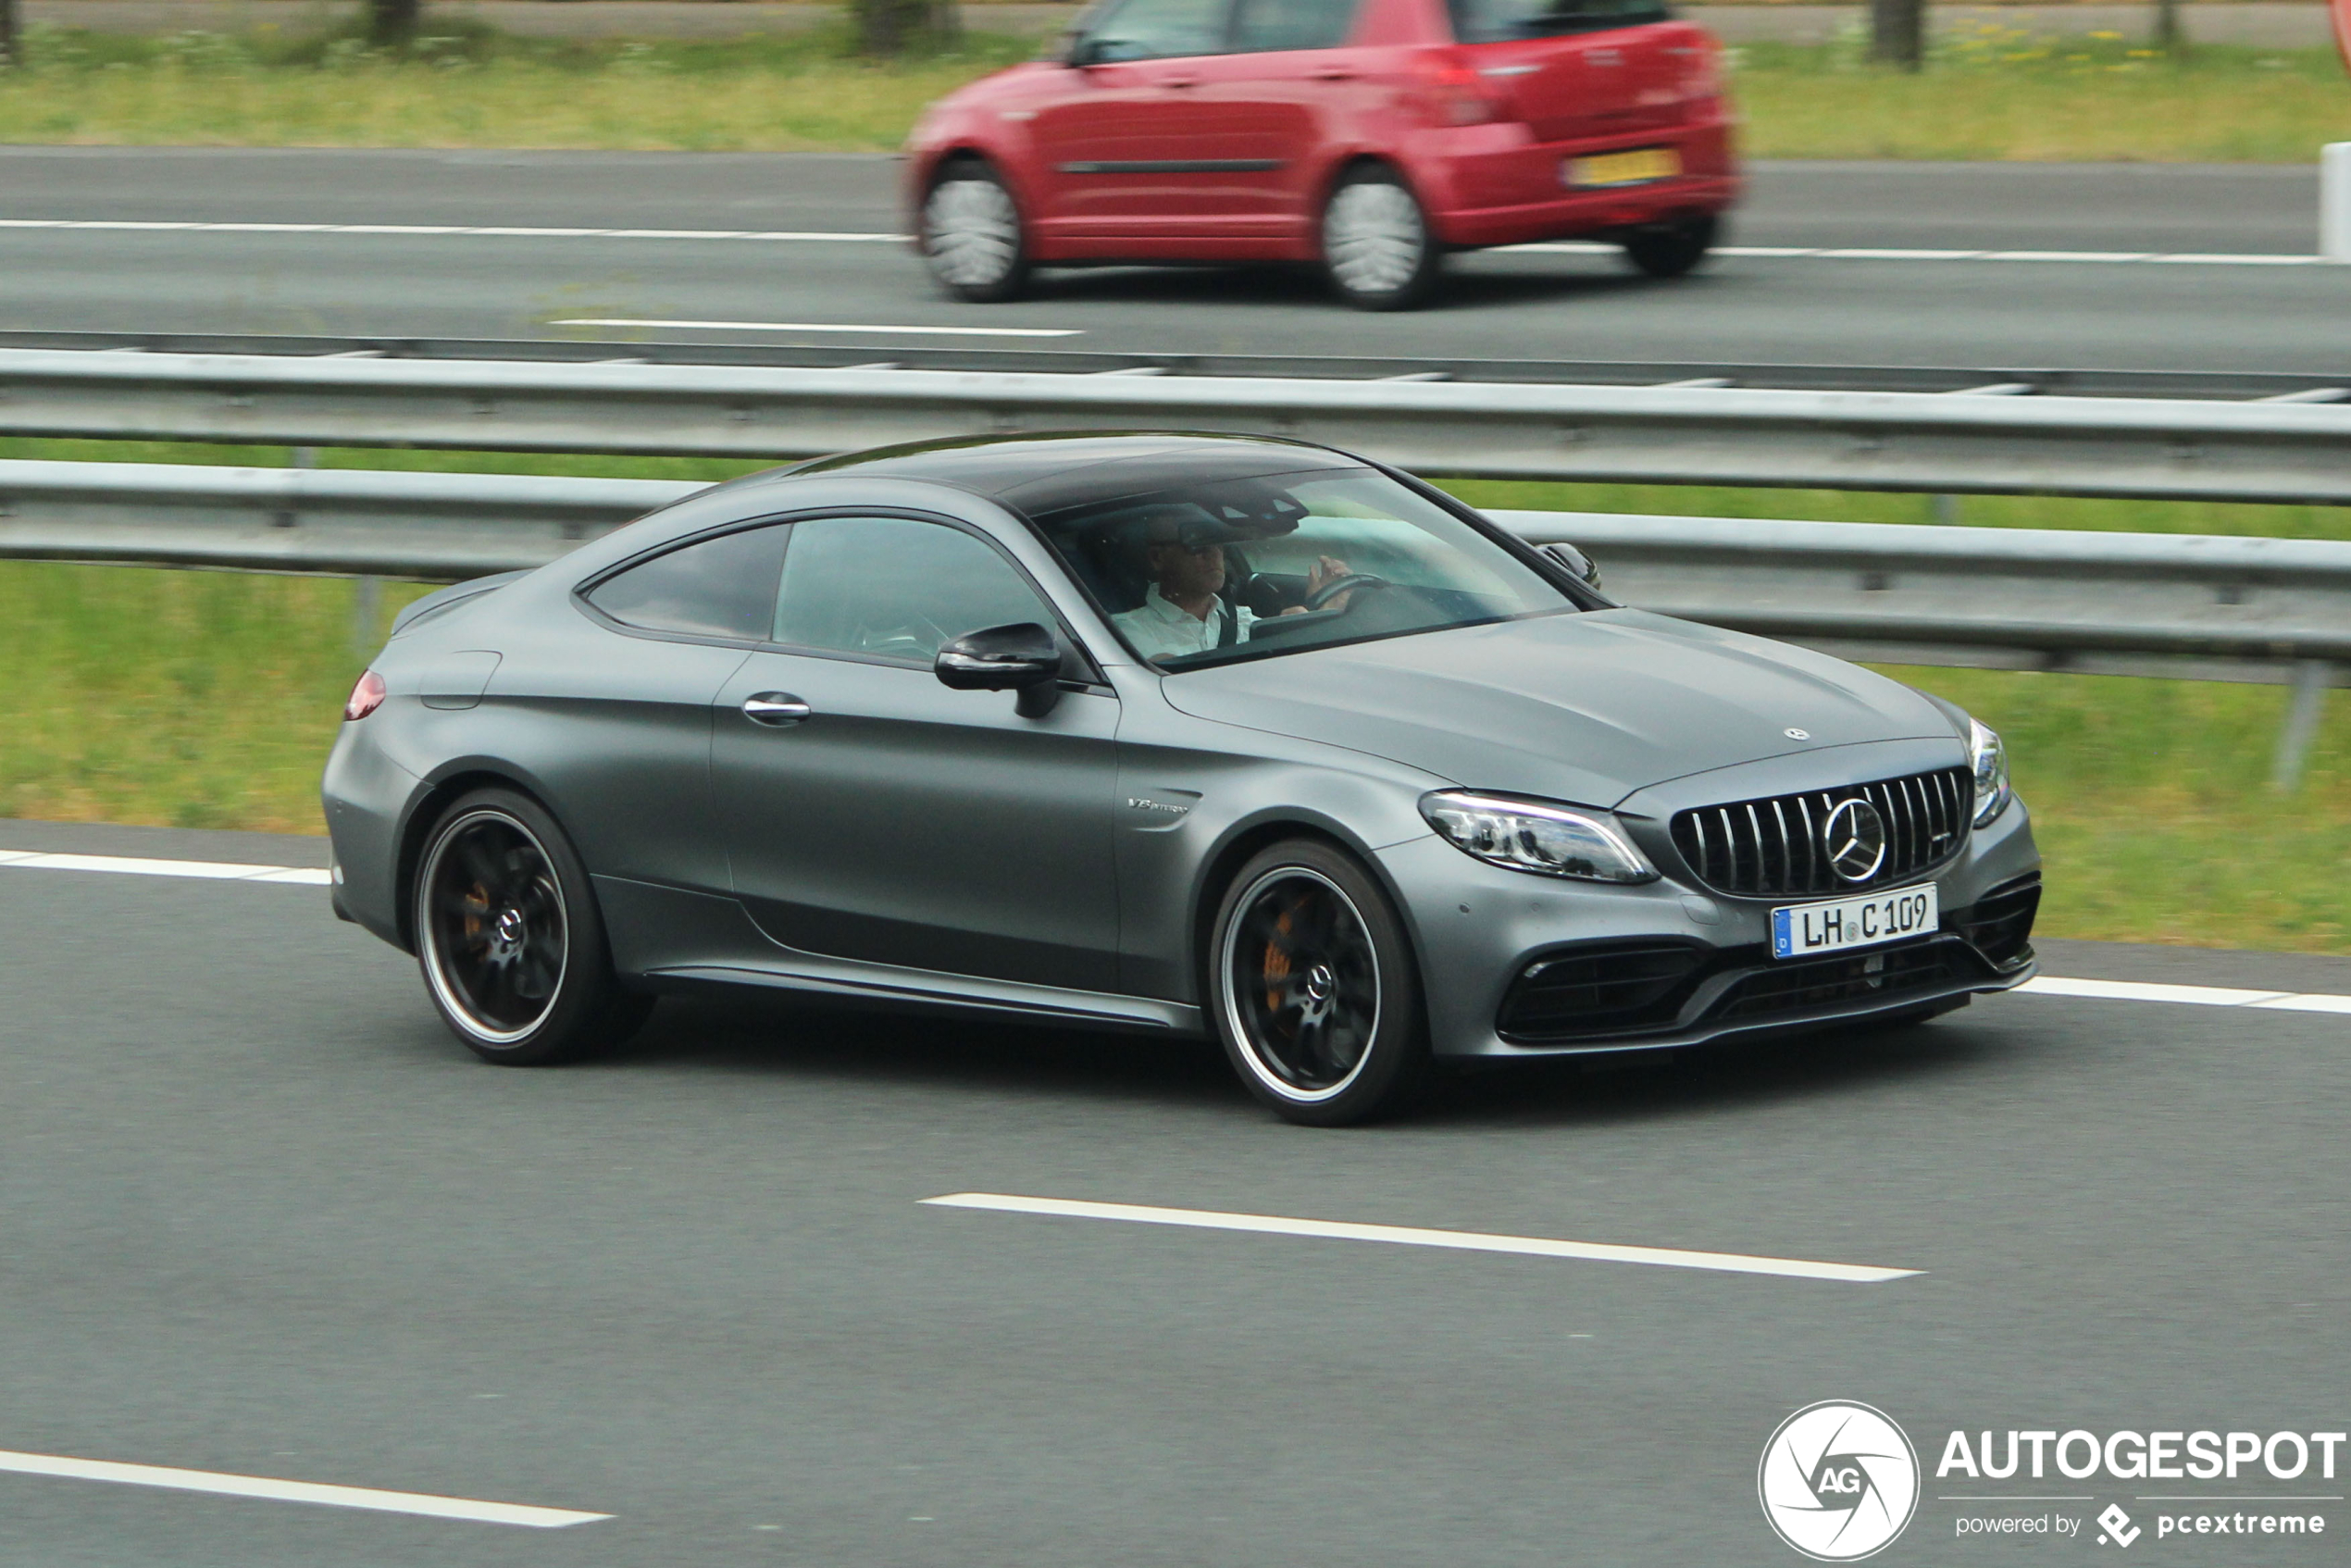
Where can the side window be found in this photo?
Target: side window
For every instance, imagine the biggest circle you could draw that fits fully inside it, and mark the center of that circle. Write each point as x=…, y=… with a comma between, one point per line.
x=895, y=588
x=722, y=587
x=1260, y=25
x=1157, y=30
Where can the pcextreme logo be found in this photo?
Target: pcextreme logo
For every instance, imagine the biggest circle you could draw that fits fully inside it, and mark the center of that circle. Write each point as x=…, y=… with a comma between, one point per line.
x=1839, y=1481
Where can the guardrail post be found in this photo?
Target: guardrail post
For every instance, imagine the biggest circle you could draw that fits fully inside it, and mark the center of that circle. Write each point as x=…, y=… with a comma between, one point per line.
x=2334, y=202
x=2303, y=711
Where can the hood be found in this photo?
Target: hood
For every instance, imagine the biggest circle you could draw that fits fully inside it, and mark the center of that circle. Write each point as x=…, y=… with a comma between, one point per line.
x=1585, y=707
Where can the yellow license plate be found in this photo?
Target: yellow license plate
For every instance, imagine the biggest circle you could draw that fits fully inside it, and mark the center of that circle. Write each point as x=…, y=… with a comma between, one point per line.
x=1639, y=166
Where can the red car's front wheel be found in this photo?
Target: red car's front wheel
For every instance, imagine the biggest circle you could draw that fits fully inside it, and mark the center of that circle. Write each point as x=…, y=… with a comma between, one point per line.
x=973, y=236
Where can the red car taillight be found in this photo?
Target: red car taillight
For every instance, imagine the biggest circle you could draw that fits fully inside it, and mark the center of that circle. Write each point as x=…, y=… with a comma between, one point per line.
x=366, y=697
x=1461, y=96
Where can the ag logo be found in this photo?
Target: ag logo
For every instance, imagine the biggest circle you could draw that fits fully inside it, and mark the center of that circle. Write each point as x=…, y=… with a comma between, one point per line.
x=1839, y=1481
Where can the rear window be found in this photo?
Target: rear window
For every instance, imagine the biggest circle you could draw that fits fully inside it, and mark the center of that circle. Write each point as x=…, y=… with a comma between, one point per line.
x=1498, y=21
x=1261, y=25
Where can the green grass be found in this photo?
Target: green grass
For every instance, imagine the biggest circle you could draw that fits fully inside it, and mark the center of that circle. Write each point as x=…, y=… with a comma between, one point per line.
x=208, y=699
x=1994, y=94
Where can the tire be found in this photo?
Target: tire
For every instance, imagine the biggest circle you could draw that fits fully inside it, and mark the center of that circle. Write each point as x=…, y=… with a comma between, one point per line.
x=1313, y=989
x=974, y=238
x=1669, y=250
x=1378, y=250
x=509, y=939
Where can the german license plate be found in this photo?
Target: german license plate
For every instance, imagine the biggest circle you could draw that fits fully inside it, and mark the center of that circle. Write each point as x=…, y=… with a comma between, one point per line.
x=1641, y=166
x=1803, y=931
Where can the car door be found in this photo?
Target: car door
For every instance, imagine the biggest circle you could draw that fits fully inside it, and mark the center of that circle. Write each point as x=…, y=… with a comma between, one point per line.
x=1287, y=84
x=870, y=813
x=1130, y=147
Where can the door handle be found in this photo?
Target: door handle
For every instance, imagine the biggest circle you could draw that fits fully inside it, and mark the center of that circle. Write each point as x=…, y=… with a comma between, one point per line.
x=776, y=709
x=1332, y=74
x=1179, y=82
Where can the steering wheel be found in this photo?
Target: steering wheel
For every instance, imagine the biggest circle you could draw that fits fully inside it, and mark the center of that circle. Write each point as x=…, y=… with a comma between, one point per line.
x=1347, y=584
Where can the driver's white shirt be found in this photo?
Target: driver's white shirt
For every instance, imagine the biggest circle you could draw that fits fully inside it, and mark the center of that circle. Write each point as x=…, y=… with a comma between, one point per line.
x=1163, y=630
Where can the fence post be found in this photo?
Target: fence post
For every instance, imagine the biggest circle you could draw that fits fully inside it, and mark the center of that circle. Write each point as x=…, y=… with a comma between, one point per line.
x=2303, y=711
x=2334, y=202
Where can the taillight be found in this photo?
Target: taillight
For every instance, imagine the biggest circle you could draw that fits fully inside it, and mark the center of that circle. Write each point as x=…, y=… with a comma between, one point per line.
x=1703, y=77
x=366, y=697
x=1461, y=96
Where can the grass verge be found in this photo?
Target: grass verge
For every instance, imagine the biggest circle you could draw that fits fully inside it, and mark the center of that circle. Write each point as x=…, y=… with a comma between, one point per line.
x=208, y=699
x=1995, y=93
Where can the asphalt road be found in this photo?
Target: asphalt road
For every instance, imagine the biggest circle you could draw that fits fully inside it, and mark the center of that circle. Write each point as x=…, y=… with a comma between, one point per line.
x=2075, y=314
x=262, y=1217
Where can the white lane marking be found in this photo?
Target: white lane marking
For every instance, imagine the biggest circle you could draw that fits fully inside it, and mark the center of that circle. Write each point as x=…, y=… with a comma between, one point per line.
x=294, y=1491
x=2044, y=985
x=1407, y=1236
x=209, y=870
x=2135, y=990
x=825, y=326
x=834, y=237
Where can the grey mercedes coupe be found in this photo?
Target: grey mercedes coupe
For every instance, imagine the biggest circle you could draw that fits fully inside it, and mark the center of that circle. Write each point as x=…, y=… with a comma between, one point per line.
x=1203, y=734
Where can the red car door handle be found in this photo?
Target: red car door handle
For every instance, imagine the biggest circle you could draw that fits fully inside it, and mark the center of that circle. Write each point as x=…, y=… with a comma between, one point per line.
x=1179, y=82
x=1332, y=74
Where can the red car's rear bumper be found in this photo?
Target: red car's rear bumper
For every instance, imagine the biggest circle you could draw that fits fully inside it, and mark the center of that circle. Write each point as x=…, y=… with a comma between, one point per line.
x=1510, y=192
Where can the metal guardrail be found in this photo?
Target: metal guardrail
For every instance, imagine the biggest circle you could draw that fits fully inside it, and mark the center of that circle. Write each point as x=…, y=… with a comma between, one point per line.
x=2190, y=606
x=2271, y=450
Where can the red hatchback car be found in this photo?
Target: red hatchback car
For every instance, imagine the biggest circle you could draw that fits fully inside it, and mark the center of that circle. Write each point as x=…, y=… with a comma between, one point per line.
x=1369, y=136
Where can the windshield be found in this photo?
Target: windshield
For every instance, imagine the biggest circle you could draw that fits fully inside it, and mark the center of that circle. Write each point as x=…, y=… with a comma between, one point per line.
x=1223, y=570
x=1497, y=21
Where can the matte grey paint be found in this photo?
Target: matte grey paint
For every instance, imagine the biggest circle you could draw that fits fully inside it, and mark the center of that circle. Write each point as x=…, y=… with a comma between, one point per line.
x=908, y=843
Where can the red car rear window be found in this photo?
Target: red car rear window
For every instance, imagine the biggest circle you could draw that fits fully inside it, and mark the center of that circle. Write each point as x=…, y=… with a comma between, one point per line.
x=1498, y=21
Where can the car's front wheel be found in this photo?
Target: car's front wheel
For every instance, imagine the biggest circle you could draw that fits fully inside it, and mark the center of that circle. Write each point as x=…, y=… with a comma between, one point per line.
x=1669, y=250
x=1378, y=250
x=973, y=236
x=509, y=938
x=1313, y=991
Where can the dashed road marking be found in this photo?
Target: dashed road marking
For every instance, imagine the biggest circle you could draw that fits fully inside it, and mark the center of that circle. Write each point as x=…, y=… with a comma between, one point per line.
x=1407, y=1236
x=270, y=1490
x=824, y=327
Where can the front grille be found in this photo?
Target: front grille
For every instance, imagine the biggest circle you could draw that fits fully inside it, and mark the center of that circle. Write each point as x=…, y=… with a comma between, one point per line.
x=1604, y=990
x=1772, y=847
x=1881, y=976
x=2000, y=924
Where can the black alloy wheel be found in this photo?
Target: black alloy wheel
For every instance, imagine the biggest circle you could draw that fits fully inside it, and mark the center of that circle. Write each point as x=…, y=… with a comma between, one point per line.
x=1669, y=250
x=1314, y=993
x=509, y=937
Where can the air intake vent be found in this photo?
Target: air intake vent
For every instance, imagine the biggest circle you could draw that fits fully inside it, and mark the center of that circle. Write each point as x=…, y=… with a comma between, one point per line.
x=1780, y=847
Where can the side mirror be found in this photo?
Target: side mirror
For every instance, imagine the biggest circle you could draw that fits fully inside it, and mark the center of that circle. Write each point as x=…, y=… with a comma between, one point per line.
x=1578, y=565
x=1079, y=51
x=1023, y=658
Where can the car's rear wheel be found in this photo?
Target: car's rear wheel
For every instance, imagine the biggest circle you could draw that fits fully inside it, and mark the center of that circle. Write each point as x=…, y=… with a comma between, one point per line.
x=1313, y=991
x=1378, y=250
x=1669, y=250
x=973, y=236
x=509, y=939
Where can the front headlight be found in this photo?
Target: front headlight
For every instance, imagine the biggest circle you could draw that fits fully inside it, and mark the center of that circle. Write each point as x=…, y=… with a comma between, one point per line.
x=1990, y=761
x=1553, y=840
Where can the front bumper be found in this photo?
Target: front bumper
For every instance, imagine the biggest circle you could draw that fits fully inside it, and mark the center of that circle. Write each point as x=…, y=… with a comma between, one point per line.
x=1519, y=966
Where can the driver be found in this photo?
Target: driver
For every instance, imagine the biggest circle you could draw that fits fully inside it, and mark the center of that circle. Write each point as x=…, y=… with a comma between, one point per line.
x=1182, y=612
